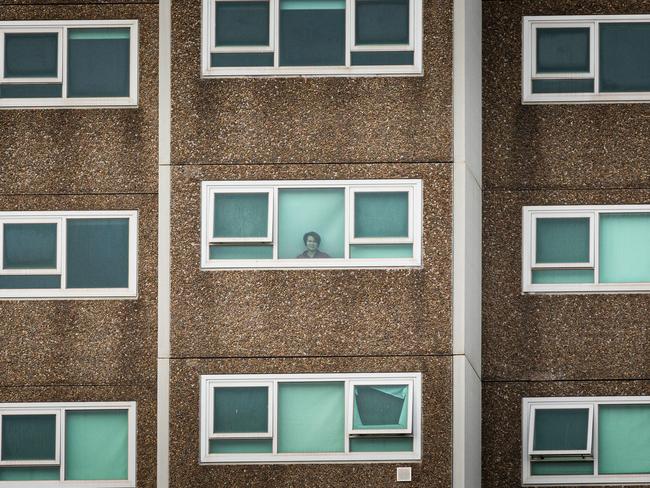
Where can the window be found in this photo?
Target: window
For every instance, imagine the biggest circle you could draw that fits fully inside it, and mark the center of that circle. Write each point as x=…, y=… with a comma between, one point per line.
x=586, y=58
x=586, y=249
x=67, y=444
x=310, y=418
x=68, y=254
x=311, y=224
x=586, y=441
x=69, y=63
x=311, y=37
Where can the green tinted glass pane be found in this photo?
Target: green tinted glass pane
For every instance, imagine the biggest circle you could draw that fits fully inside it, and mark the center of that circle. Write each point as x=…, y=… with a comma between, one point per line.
x=218, y=251
x=378, y=58
x=241, y=409
x=311, y=417
x=362, y=251
x=96, y=445
x=563, y=86
x=98, y=253
x=225, y=60
x=382, y=21
x=381, y=214
x=624, y=57
x=563, y=50
x=30, y=90
x=30, y=474
x=312, y=32
x=563, y=240
x=242, y=23
x=558, y=276
x=28, y=437
x=381, y=444
x=380, y=407
x=16, y=282
x=98, y=62
x=29, y=246
x=624, y=439
x=624, y=248
x=559, y=468
x=561, y=429
x=241, y=215
x=319, y=210
x=31, y=55
x=241, y=446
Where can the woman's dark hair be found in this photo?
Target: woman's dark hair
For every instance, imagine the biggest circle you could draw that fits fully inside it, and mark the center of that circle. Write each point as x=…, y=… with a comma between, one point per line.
x=312, y=234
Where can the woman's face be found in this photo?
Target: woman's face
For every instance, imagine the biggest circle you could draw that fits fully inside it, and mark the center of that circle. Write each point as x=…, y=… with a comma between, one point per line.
x=311, y=244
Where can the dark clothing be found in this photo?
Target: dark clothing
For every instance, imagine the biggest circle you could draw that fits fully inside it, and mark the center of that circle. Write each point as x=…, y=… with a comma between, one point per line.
x=319, y=254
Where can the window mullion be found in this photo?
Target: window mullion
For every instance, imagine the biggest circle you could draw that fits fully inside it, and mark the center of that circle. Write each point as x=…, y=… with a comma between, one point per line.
x=596, y=57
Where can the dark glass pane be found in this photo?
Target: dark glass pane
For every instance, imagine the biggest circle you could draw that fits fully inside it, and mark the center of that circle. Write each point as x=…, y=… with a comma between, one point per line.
x=241, y=409
x=382, y=21
x=241, y=215
x=29, y=246
x=381, y=214
x=227, y=60
x=563, y=86
x=98, y=253
x=28, y=437
x=30, y=90
x=30, y=473
x=561, y=468
x=98, y=62
x=381, y=444
x=256, y=251
x=563, y=50
x=242, y=23
x=378, y=58
x=560, y=429
x=18, y=282
x=312, y=33
x=31, y=55
x=624, y=57
x=562, y=240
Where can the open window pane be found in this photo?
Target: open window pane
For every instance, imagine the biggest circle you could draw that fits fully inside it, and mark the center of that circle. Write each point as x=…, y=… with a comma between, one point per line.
x=241, y=409
x=382, y=22
x=28, y=437
x=561, y=429
x=624, y=57
x=311, y=417
x=623, y=248
x=29, y=246
x=33, y=55
x=563, y=50
x=30, y=473
x=623, y=439
x=381, y=214
x=96, y=445
x=562, y=240
x=98, y=62
x=380, y=407
x=244, y=23
x=241, y=446
x=241, y=215
x=97, y=253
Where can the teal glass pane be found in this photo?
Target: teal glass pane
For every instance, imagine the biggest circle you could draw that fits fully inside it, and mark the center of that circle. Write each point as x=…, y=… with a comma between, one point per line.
x=31, y=55
x=241, y=446
x=96, y=445
x=563, y=86
x=241, y=215
x=17, y=282
x=382, y=21
x=28, y=437
x=624, y=63
x=311, y=417
x=379, y=58
x=30, y=473
x=312, y=32
x=218, y=251
x=624, y=439
x=241, y=409
x=563, y=50
x=366, y=251
x=381, y=444
x=98, y=62
x=381, y=214
x=624, y=248
x=98, y=253
x=30, y=90
x=227, y=60
x=562, y=276
x=561, y=429
x=242, y=23
x=564, y=240
x=29, y=246
x=380, y=407
x=559, y=468
x=319, y=210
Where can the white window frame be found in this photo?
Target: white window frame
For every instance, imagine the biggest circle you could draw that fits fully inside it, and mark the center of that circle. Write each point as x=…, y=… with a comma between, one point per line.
x=60, y=409
x=528, y=407
x=57, y=447
x=208, y=47
x=61, y=27
x=565, y=406
x=208, y=382
x=63, y=292
x=529, y=27
x=252, y=189
x=414, y=187
x=529, y=228
x=409, y=398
